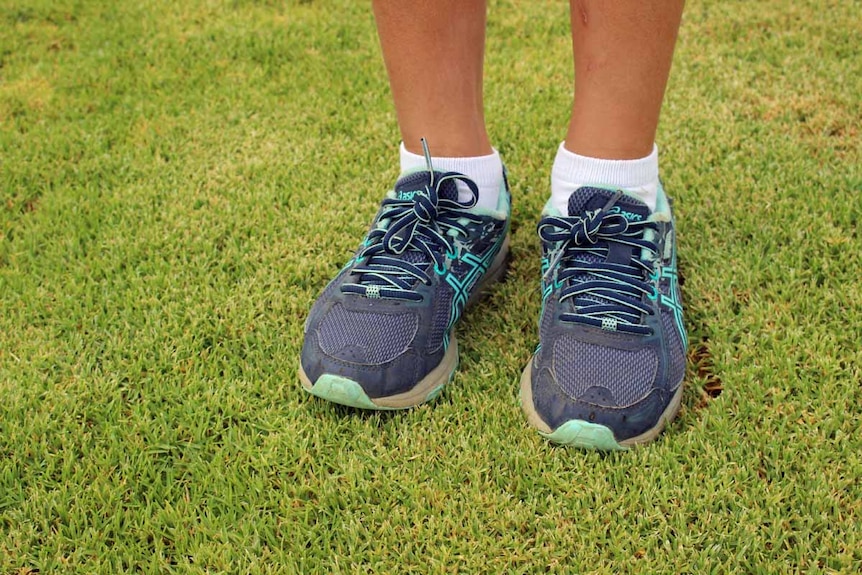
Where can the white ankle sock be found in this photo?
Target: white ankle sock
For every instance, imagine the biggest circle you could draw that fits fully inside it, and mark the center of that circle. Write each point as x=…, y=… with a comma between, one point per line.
x=571, y=171
x=486, y=171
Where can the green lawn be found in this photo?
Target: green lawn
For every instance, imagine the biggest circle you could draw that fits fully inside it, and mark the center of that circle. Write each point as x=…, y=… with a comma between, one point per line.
x=178, y=181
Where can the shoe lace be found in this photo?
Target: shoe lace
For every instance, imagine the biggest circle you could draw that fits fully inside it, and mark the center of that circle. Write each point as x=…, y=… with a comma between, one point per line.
x=604, y=294
x=411, y=234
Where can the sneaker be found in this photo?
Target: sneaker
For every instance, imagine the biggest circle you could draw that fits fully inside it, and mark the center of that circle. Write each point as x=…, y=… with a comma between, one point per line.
x=381, y=335
x=611, y=358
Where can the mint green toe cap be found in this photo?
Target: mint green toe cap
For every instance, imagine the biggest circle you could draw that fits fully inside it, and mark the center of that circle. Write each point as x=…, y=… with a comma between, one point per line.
x=344, y=391
x=586, y=435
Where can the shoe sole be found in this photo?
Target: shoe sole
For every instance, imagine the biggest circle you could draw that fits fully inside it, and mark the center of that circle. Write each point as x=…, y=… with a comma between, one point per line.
x=345, y=391
x=588, y=435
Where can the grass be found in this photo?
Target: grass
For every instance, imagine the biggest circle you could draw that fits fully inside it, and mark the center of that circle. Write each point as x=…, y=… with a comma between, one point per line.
x=180, y=179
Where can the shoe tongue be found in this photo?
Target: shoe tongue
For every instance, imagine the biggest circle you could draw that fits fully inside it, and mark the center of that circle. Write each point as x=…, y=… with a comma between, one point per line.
x=587, y=199
x=409, y=184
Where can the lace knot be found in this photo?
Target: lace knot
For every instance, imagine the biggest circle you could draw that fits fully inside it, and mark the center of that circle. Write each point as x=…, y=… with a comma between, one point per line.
x=596, y=260
x=413, y=238
x=424, y=208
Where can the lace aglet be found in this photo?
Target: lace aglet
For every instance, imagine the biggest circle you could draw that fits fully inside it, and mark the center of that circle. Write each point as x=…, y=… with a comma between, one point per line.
x=427, y=152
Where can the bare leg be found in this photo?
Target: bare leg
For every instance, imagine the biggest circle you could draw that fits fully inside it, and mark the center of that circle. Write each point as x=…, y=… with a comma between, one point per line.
x=434, y=53
x=622, y=51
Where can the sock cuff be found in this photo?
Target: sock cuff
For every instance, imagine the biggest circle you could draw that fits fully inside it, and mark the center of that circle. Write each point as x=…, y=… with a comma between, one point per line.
x=485, y=171
x=481, y=169
x=572, y=167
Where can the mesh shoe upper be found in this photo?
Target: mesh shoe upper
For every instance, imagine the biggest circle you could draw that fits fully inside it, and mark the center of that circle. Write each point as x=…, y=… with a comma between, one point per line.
x=385, y=320
x=354, y=336
x=611, y=336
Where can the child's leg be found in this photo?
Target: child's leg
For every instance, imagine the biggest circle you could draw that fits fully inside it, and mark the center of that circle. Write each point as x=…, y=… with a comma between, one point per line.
x=622, y=52
x=608, y=372
x=434, y=54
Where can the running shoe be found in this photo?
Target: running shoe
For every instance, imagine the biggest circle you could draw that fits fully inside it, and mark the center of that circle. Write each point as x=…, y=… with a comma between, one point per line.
x=381, y=335
x=608, y=371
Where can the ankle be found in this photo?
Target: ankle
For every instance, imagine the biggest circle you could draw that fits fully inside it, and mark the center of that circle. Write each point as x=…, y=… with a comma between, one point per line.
x=461, y=145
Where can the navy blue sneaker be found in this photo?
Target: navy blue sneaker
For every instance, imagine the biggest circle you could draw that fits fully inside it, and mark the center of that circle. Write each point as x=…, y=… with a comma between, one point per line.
x=381, y=335
x=609, y=368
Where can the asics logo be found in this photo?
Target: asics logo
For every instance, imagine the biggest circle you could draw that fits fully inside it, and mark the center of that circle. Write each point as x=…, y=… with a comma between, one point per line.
x=409, y=194
x=630, y=216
